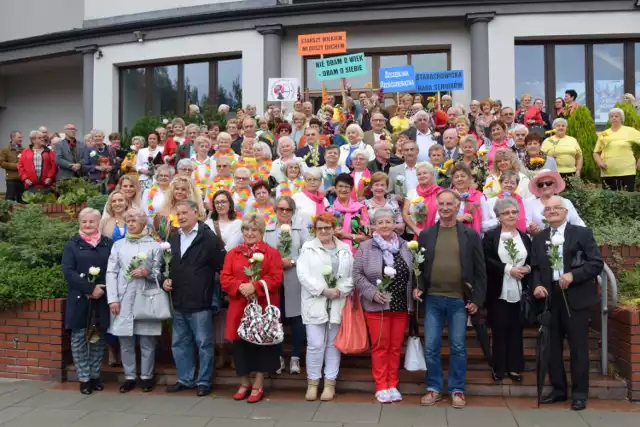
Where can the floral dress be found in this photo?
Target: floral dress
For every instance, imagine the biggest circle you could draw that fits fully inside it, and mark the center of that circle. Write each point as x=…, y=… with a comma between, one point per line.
x=398, y=287
x=479, y=170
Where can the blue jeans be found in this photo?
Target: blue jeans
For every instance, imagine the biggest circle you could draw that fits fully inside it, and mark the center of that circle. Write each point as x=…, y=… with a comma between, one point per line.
x=189, y=329
x=439, y=309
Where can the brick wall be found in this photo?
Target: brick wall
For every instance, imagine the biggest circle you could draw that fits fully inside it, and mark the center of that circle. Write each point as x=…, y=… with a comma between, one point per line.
x=624, y=346
x=32, y=341
x=620, y=257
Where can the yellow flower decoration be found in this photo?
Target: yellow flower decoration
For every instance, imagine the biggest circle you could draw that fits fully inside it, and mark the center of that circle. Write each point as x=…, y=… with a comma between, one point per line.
x=442, y=171
x=431, y=98
x=605, y=134
x=550, y=132
x=447, y=164
x=366, y=180
x=537, y=161
x=488, y=184
x=417, y=200
x=174, y=220
x=482, y=153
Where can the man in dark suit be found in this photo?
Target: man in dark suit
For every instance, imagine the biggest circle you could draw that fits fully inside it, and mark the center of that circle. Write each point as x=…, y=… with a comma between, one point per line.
x=573, y=291
x=450, y=143
x=312, y=137
x=454, y=282
x=69, y=154
x=384, y=159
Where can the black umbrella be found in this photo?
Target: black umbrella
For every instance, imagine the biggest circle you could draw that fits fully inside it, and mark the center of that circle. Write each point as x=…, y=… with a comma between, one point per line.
x=482, y=334
x=542, y=347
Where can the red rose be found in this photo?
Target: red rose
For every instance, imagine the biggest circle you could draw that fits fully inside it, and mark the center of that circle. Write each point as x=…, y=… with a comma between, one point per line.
x=383, y=137
x=150, y=159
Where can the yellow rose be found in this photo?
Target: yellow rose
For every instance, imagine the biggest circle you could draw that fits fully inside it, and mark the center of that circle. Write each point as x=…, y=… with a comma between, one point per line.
x=482, y=153
x=417, y=200
x=447, y=164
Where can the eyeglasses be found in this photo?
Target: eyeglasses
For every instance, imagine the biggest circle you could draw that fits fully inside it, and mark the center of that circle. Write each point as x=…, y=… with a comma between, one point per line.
x=312, y=180
x=223, y=166
x=221, y=203
x=554, y=209
x=324, y=229
x=242, y=178
x=165, y=176
x=543, y=184
x=509, y=213
x=285, y=210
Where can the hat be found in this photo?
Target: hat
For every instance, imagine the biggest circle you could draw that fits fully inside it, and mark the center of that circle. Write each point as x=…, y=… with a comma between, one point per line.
x=545, y=175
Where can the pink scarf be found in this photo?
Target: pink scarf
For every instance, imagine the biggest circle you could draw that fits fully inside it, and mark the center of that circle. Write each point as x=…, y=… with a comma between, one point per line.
x=348, y=211
x=473, y=206
x=522, y=217
x=495, y=146
x=359, y=189
x=92, y=239
x=429, y=194
x=317, y=198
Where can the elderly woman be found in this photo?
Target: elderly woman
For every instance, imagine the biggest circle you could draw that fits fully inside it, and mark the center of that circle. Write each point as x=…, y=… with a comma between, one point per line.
x=241, y=191
x=380, y=199
x=498, y=141
x=564, y=149
x=185, y=168
x=419, y=211
x=128, y=165
x=507, y=282
x=154, y=196
x=354, y=136
x=322, y=302
x=84, y=265
x=287, y=234
x=352, y=216
x=241, y=289
x=360, y=174
x=520, y=133
x=485, y=116
x=543, y=186
x=166, y=221
x=614, y=155
x=293, y=182
x=528, y=115
x=262, y=202
x=311, y=201
x=148, y=160
x=204, y=168
x=262, y=154
x=36, y=165
x=224, y=147
x=506, y=160
x=122, y=287
x=285, y=153
x=469, y=157
x=509, y=181
x=473, y=202
x=463, y=128
x=387, y=305
x=299, y=125
x=535, y=159
x=223, y=180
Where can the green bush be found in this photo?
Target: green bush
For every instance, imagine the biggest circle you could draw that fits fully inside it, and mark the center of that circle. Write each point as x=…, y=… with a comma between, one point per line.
x=629, y=286
x=583, y=128
x=19, y=284
x=75, y=191
x=5, y=210
x=98, y=202
x=38, y=198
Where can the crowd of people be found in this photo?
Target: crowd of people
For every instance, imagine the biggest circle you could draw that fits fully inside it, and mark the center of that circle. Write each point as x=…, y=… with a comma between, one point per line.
x=300, y=211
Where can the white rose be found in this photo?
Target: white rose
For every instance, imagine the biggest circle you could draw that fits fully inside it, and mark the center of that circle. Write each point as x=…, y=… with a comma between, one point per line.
x=378, y=281
x=165, y=121
x=258, y=257
x=506, y=236
x=94, y=271
x=93, y=153
x=390, y=271
x=400, y=178
x=142, y=256
x=557, y=240
x=165, y=246
x=285, y=228
x=81, y=274
x=326, y=270
x=330, y=171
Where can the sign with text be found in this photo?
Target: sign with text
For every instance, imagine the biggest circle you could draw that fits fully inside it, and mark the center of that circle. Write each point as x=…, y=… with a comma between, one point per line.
x=322, y=43
x=283, y=89
x=341, y=67
x=398, y=79
x=440, y=81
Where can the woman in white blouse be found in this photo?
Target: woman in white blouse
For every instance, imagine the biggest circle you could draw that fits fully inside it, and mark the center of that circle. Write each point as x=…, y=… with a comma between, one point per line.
x=509, y=181
x=311, y=201
x=507, y=253
x=148, y=157
x=354, y=136
x=543, y=186
x=223, y=220
x=286, y=147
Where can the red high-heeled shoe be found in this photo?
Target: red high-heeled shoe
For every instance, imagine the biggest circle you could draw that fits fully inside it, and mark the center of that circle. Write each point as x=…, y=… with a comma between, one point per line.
x=254, y=398
x=242, y=392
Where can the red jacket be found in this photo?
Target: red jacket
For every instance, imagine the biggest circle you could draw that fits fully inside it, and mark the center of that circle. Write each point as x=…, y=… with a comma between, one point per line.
x=27, y=170
x=171, y=148
x=233, y=276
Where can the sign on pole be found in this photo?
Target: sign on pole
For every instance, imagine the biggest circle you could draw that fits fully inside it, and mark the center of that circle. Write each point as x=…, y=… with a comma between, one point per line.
x=398, y=79
x=440, y=81
x=322, y=43
x=283, y=89
x=341, y=67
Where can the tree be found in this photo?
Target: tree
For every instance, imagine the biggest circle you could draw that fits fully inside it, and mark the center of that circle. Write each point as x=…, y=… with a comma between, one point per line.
x=583, y=128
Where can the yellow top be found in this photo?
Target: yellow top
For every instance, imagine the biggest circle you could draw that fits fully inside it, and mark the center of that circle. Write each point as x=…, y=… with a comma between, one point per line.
x=616, y=152
x=399, y=125
x=564, y=150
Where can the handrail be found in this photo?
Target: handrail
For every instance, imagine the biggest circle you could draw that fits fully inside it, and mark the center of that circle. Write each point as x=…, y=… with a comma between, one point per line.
x=607, y=279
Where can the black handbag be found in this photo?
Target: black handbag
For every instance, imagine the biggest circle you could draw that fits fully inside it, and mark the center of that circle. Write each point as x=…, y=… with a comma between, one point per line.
x=527, y=311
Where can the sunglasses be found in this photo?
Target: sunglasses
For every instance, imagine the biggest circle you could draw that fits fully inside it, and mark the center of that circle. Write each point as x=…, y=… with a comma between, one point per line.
x=285, y=210
x=546, y=184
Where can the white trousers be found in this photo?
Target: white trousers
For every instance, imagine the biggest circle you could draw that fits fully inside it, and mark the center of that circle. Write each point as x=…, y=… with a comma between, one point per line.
x=319, y=351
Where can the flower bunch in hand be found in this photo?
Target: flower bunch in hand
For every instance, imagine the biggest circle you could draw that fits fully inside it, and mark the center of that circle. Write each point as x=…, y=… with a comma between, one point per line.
x=418, y=257
x=389, y=273
x=136, y=262
x=254, y=269
x=284, y=244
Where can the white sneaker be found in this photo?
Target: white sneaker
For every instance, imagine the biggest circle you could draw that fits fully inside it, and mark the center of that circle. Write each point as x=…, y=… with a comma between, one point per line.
x=383, y=396
x=282, y=366
x=395, y=395
x=294, y=366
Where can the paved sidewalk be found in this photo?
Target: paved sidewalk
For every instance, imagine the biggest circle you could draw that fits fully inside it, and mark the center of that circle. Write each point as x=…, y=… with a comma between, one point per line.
x=35, y=404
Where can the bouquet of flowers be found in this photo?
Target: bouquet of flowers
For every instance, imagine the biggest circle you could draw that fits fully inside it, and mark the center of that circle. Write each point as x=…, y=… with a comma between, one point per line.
x=400, y=179
x=332, y=282
x=553, y=252
x=284, y=244
x=254, y=269
x=165, y=247
x=136, y=262
x=418, y=257
x=150, y=165
x=418, y=210
x=387, y=278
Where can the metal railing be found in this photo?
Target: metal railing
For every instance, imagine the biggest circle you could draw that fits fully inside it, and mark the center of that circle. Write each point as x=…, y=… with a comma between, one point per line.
x=607, y=281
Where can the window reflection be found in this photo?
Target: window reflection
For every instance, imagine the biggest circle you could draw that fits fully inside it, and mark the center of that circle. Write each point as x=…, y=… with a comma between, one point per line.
x=133, y=96
x=570, y=73
x=608, y=79
x=196, y=83
x=529, y=72
x=164, y=93
x=230, y=83
x=424, y=62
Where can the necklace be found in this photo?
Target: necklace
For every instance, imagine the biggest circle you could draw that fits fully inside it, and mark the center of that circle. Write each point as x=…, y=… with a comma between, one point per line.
x=151, y=210
x=201, y=182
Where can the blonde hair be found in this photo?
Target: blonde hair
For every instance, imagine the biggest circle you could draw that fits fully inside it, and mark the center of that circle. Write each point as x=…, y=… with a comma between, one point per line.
x=108, y=209
x=136, y=184
x=505, y=154
x=357, y=128
x=254, y=219
x=169, y=203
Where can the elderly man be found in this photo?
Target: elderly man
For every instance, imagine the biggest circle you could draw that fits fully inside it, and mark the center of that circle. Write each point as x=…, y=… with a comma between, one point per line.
x=307, y=109
x=45, y=135
x=508, y=116
x=101, y=162
x=378, y=130
x=572, y=291
x=384, y=159
x=313, y=151
x=421, y=134
x=450, y=143
x=69, y=154
x=249, y=129
x=403, y=178
x=9, y=157
x=454, y=282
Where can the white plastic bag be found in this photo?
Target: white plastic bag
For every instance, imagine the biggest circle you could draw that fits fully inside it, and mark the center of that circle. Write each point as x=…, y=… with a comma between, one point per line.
x=414, y=357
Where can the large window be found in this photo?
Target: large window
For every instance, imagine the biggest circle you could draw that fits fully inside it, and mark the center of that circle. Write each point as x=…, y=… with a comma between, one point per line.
x=599, y=72
x=168, y=89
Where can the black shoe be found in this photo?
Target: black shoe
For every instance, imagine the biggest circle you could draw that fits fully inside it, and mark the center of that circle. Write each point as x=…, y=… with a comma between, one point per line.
x=579, y=404
x=495, y=376
x=128, y=386
x=146, y=385
x=85, y=387
x=553, y=398
x=177, y=387
x=515, y=377
x=97, y=384
x=204, y=390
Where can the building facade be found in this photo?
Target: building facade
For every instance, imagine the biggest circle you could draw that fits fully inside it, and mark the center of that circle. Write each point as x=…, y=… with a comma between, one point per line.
x=105, y=64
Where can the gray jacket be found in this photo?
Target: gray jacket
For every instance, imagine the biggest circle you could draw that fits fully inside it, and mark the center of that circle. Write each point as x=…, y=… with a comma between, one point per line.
x=121, y=290
x=65, y=158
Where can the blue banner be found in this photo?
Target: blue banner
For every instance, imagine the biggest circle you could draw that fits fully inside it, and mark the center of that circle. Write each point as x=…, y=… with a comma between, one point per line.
x=440, y=81
x=398, y=79
x=341, y=67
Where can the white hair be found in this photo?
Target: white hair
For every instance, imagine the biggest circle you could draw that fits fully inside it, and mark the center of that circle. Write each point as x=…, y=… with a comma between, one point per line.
x=89, y=211
x=561, y=120
x=184, y=163
x=450, y=130
x=193, y=126
x=426, y=166
x=143, y=141
x=470, y=138
x=243, y=169
x=266, y=150
x=137, y=213
x=223, y=108
x=521, y=127
x=314, y=173
x=360, y=152
x=422, y=113
x=285, y=139
x=379, y=144
x=357, y=128
x=556, y=197
x=618, y=111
